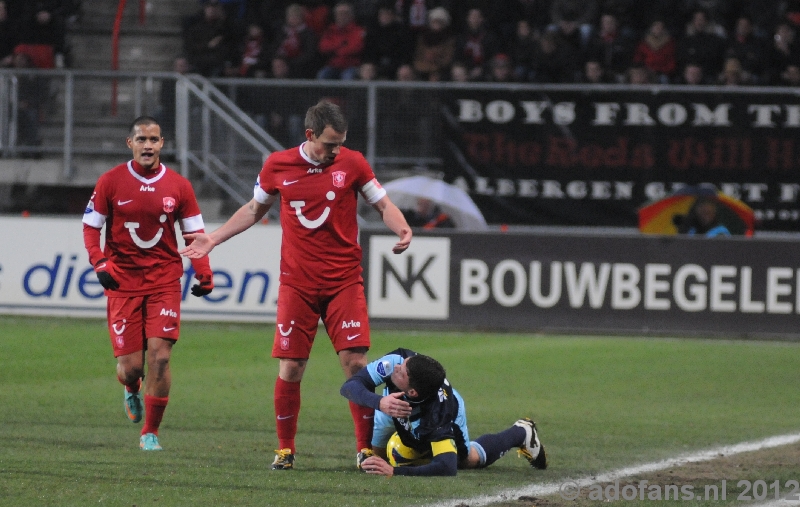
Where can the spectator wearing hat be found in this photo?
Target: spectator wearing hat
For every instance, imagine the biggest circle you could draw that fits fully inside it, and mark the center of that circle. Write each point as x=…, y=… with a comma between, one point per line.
x=435, y=47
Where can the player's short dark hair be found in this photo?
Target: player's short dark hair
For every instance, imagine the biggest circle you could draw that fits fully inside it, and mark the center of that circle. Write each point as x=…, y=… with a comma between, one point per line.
x=425, y=375
x=323, y=114
x=142, y=120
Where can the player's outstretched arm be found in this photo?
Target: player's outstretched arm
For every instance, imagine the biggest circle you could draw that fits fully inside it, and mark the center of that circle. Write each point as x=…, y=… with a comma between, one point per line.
x=396, y=222
x=244, y=218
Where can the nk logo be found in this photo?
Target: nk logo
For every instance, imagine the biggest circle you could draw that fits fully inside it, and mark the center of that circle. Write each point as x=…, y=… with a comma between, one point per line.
x=411, y=285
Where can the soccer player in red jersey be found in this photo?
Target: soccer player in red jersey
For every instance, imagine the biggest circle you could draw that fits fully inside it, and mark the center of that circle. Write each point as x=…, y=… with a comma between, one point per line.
x=140, y=268
x=317, y=184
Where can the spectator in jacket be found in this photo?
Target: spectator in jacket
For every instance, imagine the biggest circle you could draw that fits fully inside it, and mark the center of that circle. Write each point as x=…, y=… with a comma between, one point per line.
x=210, y=42
x=476, y=45
x=611, y=46
x=435, y=47
x=702, y=44
x=749, y=49
x=342, y=43
x=388, y=43
x=297, y=44
x=656, y=51
x=784, y=51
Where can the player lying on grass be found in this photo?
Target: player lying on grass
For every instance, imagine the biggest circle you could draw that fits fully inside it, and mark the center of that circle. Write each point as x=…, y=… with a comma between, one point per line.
x=424, y=421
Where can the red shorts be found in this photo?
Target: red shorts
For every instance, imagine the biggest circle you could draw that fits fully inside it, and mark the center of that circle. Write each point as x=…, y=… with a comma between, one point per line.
x=343, y=311
x=131, y=320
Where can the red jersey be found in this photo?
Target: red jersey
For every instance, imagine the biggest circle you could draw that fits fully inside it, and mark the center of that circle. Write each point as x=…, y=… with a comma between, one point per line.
x=318, y=209
x=140, y=214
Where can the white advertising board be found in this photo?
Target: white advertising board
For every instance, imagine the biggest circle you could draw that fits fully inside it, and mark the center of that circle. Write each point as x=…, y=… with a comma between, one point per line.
x=44, y=270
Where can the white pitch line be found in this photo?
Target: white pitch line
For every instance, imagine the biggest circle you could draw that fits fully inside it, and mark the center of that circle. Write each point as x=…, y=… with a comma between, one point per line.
x=552, y=488
x=783, y=502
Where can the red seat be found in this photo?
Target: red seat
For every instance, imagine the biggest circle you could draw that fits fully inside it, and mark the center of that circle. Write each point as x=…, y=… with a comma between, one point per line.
x=42, y=55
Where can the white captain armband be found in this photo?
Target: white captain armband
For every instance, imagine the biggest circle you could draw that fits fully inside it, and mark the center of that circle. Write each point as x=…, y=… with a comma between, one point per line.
x=192, y=224
x=373, y=191
x=93, y=218
x=264, y=198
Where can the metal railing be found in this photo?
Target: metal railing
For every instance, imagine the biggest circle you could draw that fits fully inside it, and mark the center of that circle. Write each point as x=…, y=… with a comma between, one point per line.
x=218, y=131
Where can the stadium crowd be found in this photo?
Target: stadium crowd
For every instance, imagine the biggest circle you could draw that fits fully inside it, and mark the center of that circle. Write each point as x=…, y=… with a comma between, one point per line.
x=703, y=42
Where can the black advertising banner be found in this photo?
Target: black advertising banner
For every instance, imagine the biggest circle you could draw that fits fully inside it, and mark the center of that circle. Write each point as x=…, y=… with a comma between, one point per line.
x=586, y=283
x=577, y=156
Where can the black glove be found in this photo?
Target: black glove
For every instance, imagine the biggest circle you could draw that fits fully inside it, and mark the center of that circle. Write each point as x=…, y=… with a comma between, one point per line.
x=205, y=286
x=105, y=269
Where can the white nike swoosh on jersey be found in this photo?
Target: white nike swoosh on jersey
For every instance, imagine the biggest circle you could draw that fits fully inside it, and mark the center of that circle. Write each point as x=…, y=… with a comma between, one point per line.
x=353, y=337
x=168, y=329
x=283, y=417
x=123, y=203
x=368, y=417
x=289, y=182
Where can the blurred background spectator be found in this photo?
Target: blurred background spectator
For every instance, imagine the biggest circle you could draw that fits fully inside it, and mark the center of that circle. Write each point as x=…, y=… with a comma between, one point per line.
x=8, y=37
x=435, y=46
x=42, y=23
x=31, y=98
x=656, y=52
x=342, y=45
x=702, y=43
x=784, y=50
x=749, y=48
x=388, y=44
x=253, y=54
x=427, y=215
x=297, y=44
x=594, y=73
x=476, y=44
x=209, y=40
x=639, y=75
x=523, y=51
x=556, y=61
x=500, y=69
x=611, y=46
x=692, y=75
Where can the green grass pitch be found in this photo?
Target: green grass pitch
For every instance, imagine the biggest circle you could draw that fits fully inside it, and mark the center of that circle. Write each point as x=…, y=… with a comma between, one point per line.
x=600, y=403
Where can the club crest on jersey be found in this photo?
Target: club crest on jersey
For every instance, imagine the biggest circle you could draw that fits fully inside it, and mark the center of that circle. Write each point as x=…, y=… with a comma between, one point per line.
x=384, y=369
x=284, y=343
x=169, y=204
x=338, y=179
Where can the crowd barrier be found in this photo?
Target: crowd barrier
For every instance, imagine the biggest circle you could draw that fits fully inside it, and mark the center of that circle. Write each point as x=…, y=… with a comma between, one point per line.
x=494, y=281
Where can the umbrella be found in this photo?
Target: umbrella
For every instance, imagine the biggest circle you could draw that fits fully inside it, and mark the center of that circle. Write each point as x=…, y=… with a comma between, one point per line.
x=404, y=193
x=657, y=217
